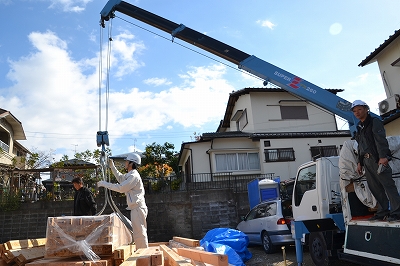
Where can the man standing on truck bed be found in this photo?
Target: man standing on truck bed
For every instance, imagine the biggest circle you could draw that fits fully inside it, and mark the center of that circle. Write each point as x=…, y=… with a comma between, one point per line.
x=374, y=155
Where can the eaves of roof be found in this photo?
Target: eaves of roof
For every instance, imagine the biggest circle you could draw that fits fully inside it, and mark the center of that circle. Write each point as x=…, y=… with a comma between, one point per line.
x=16, y=125
x=372, y=56
x=276, y=135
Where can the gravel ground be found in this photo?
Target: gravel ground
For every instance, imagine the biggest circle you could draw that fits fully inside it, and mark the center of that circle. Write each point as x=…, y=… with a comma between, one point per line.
x=260, y=258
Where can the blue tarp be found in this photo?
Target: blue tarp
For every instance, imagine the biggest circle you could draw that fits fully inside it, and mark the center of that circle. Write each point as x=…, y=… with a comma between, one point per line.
x=230, y=242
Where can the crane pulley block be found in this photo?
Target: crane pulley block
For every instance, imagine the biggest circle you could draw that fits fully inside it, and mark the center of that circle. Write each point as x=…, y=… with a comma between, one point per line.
x=102, y=138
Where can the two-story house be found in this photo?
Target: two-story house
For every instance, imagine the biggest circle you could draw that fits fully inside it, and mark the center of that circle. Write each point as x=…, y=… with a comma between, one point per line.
x=11, y=131
x=264, y=131
x=388, y=57
x=12, y=153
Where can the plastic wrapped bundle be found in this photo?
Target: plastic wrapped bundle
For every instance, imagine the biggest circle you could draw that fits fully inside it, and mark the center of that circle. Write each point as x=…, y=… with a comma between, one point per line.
x=88, y=236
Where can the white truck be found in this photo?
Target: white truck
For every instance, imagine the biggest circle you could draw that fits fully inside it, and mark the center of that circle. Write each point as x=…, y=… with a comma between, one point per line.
x=331, y=205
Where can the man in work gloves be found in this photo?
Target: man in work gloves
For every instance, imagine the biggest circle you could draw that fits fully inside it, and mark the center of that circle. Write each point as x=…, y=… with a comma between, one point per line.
x=131, y=184
x=373, y=156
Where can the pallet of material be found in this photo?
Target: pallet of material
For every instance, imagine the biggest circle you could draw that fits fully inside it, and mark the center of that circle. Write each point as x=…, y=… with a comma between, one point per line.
x=70, y=236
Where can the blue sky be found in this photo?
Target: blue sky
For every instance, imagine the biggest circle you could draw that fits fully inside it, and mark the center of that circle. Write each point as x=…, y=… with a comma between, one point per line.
x=163, y=92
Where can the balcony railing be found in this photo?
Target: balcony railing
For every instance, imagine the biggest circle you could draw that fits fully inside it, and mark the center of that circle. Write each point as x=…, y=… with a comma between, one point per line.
x=205, y=181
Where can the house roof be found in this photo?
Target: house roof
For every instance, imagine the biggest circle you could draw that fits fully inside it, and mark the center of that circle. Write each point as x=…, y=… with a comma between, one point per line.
x=234, y=96
x=16, y=125
x=372, y=57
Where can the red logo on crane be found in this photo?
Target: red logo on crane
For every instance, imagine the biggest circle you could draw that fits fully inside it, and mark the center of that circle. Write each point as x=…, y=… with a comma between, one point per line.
x=295, y=82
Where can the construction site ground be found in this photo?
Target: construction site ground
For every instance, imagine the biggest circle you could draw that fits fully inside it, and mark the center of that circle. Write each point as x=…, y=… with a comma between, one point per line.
x=260, y=258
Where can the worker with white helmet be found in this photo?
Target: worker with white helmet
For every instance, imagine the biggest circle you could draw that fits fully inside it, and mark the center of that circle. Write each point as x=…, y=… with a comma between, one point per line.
x=131, y=184
x=374, y=156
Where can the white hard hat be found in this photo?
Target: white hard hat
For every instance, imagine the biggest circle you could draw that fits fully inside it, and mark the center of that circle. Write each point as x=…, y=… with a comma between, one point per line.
x=358, y=103
x=134, y=157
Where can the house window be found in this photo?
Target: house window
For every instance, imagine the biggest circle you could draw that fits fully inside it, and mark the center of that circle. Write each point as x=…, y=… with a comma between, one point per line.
x=279, y=155
x=323, y=151
x=306, y=180
x=294, y=112
x=241, y=119
x=237, y=162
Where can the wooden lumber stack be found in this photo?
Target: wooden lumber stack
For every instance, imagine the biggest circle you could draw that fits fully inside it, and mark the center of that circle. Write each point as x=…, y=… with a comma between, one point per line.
x=177, y=252
x=71, y=236
x=20, y=252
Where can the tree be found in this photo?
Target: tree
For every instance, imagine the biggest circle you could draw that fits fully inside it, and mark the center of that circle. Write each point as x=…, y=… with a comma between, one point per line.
x=159, y=160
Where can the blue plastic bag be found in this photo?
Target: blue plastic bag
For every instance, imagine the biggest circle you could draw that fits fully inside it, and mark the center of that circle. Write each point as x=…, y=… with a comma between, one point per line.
x=230, y=242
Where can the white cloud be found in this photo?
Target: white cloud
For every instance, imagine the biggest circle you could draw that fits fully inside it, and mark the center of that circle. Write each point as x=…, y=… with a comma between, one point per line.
x=157, y=81
x=50, y=94
x=56, y=97
x=125, y=49
x=70, y=5
x=266, y=23
x=200, y=99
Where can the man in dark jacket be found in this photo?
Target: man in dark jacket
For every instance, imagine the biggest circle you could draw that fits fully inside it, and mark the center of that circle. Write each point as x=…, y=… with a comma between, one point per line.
x=84, y=203
x=374, y=155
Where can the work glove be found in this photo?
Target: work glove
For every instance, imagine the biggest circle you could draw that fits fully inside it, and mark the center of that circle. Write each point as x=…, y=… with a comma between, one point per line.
x=103, y=184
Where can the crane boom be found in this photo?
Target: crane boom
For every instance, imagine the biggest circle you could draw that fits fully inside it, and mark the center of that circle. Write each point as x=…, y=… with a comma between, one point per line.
x=250, y=63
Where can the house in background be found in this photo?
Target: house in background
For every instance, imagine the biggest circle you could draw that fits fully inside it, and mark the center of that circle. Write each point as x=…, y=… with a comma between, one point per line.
x=11, y=131
x=388, y=57
x=265, y=131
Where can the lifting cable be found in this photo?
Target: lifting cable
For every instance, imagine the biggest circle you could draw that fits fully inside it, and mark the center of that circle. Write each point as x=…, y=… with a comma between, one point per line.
x=102, y=136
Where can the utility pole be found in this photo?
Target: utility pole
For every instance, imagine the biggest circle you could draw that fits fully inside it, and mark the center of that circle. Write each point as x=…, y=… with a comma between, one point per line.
x=75, y=147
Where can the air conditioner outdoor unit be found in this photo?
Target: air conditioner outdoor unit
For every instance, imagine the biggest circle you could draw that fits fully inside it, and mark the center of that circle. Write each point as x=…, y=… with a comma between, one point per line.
x=389, y=104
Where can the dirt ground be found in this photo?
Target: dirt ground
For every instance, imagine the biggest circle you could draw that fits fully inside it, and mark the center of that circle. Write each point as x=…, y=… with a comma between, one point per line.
x=260, y=258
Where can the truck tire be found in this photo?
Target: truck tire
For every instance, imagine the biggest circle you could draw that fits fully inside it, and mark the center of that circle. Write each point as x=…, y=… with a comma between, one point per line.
x=268, y=247
x=318, y=249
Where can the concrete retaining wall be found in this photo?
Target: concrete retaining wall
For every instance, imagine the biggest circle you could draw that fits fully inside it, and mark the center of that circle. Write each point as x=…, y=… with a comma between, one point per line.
x=185, y=214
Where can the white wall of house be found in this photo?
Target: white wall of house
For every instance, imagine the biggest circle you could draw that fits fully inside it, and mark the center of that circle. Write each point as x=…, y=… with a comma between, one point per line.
x=390, y=79
x=390, y=74
x=204, y=154
x=301, y=147
x=264, y=114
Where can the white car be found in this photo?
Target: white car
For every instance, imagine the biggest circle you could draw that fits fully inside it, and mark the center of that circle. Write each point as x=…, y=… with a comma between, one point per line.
x=268, y=224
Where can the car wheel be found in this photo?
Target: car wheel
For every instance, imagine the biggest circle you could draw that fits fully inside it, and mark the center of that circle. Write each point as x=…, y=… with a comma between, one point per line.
x=318, y=249
x=267, y=244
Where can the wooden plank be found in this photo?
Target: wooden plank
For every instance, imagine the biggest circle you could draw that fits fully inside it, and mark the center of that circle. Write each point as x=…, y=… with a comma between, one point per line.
x=25, y=243
x=123, y=252
x=173, y=258
x=3, y=263
x=156, y=256
x=106, y=249
x=156, y=244
x=198, y=263
x=151, y=256
x=29, y=254
x=187, y=241
x=11, y=255
x=204, y=256
x=71, y=262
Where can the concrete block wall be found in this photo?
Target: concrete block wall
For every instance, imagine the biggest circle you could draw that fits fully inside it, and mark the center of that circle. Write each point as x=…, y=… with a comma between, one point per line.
x=186, y=214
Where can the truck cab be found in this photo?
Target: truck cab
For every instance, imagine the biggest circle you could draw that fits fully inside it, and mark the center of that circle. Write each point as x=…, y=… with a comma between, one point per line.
x=316, y=190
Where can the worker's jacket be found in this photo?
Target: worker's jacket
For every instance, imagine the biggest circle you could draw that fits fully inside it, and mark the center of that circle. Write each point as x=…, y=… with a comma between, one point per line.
x=131, y=184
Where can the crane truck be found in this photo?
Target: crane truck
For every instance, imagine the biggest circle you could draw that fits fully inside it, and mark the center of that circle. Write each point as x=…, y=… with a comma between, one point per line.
x=321, y=202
